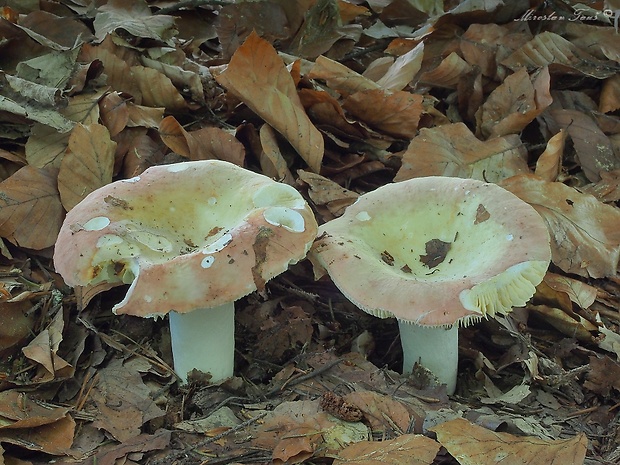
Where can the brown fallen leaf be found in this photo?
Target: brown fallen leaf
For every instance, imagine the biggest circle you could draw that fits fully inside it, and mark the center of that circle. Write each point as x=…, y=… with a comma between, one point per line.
x=515, y=103
x=603, y=376
x=202, y=144
x=396, y=113
x=123, y=401
x=549, y=163
x=474, y=445
x=87, y=165
x=157, y=89
x=453, y=150
x=378, y=408
x=594, y=149
x=34, y=425
x=30, y=210
x=551, y=49
x=585, y=233
x=408, y=449
x=257, y=76
x=113, y=454
x=43, y=350
x=340, y=78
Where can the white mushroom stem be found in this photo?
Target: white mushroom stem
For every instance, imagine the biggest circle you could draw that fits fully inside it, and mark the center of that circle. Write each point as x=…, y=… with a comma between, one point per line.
x=204, y=339
x=436, y=348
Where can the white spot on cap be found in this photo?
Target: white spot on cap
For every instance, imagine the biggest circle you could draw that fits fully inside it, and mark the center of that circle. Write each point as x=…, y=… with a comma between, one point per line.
x=211, y=200
x=97, y=223
x=287, y=218
x=153, y=241
x=509, y=237
x=218, y=244
x=148, y=298
x=108, y=240
x=278, y=195
x=134, y=179
x=177, y=167
x=207, y=261
x=363, y=216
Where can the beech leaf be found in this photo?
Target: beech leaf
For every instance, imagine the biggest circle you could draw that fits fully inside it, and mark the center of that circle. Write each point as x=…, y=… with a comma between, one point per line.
x=257, y=76
x=410, y=449
x=453, y=150
x=30, y=210
x=475, y=445
x=87, y=165
x=585, y=233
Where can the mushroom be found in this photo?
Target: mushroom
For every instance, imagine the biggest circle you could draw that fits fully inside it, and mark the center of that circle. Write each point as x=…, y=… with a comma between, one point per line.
x=435, y=253
x=190, y=239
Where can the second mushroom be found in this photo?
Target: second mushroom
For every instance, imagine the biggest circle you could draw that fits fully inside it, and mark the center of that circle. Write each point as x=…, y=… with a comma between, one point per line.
x=435, y=253
x=190, y=239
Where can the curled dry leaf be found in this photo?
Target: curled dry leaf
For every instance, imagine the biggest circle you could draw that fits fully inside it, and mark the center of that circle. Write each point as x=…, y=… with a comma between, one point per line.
x=610, y=95
x=87, y=165
x=452, y=150
x=607, y=189
x=577, y=291
x=257, y=76
x=271, y=161
x=30, y=210
x=403, y=70
x=340, y=78
x=202, y=144
x=448, y=73
x=515, y=103
x=395, y=113
x=593, y=147
x=43, y=350
x=157, y=89
x=549, y=163
x=323, y=191
x=585, y=233
x=475, y=445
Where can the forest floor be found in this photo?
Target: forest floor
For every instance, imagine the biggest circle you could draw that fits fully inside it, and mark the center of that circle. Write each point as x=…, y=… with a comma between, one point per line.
x=336, y=98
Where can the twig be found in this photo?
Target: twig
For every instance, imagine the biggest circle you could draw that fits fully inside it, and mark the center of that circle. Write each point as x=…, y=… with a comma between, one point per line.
x=191, y=449
x=301, y=378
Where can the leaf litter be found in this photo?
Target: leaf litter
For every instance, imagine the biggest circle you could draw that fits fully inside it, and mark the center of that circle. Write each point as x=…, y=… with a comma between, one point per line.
x=335, y=98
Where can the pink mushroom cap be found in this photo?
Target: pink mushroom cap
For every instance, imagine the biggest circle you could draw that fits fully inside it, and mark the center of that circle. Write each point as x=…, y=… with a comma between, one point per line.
x=435, y=251
x=185, y=236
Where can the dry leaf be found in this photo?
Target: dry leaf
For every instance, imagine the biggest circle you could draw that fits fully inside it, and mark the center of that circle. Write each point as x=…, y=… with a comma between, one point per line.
x=550, y=49
x=403, y=70
x=271, y=161
x=396, y=113
x=549, y=163
x=593, y=147
x=577, y=291
x=585, y=233
x=610, y=95
x=202, y=144
x=123, y=401
x=448, y=73
x=340, y=78
x=377, y=408
x=30, y=210
x=257, y=76
x=452, y=150
x=515, y=103
x=87, y=165
x=157, y=89
x=408, y=449
x=475, y=445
